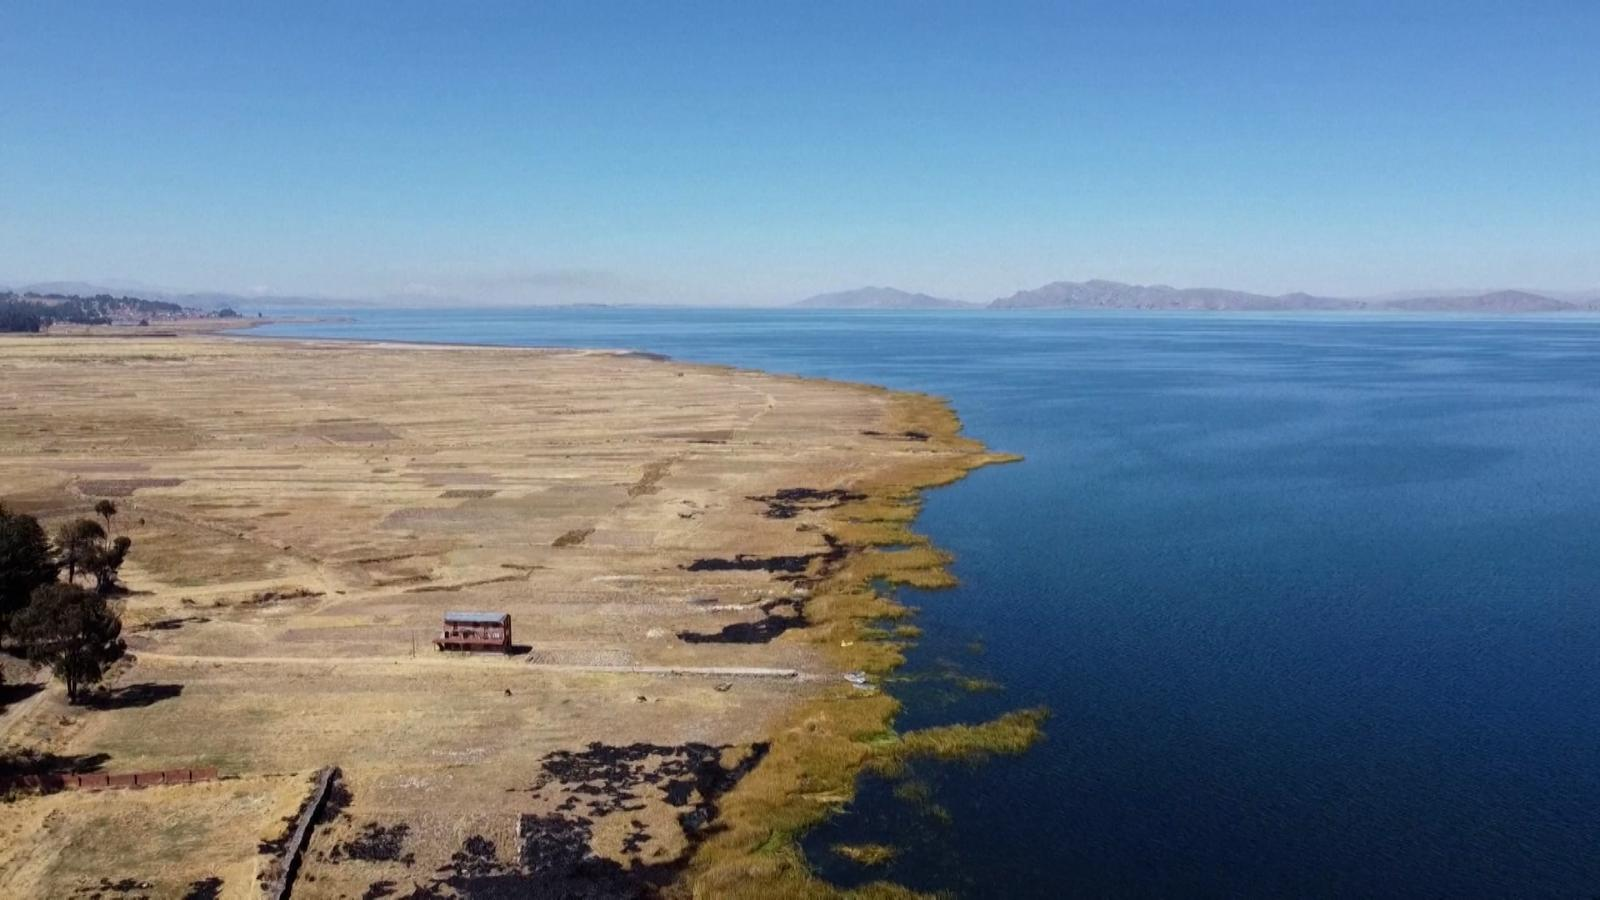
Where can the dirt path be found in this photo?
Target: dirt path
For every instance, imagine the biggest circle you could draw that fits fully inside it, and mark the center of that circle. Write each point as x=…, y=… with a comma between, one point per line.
x=513, y=663
x=20, y=711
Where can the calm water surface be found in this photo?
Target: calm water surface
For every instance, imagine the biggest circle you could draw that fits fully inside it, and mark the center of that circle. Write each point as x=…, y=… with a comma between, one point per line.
x=1315, y=601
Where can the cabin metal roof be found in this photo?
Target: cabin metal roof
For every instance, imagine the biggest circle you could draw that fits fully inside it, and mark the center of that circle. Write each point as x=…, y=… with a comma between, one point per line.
x=477, y=618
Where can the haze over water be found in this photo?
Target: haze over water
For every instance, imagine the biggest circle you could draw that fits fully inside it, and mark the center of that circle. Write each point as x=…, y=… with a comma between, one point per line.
x=1313, y=599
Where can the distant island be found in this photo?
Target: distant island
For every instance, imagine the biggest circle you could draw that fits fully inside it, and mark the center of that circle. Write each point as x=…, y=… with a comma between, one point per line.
x=1100, y=294
x=882, y=298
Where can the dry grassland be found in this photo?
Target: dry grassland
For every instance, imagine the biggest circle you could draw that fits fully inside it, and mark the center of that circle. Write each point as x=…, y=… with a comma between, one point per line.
x=302, y=513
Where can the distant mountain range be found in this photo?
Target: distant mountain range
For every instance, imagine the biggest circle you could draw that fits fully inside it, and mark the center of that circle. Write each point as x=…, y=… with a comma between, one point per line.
x=1115, y=295
x=882, y=298
x=1097, y=294
x=1498, y=301
x=1100, y=294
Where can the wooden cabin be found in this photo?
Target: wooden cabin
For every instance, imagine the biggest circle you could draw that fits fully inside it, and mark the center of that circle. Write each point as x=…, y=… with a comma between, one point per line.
x=475, y=631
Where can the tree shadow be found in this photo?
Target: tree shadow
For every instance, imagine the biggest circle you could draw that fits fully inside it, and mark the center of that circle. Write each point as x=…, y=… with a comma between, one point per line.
x=16, y=693
x=133, y=695
x=32, y=761
x=172, y=624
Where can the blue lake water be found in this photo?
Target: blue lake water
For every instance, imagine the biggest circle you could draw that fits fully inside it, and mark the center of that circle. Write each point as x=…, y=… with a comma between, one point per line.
x=1315, y=601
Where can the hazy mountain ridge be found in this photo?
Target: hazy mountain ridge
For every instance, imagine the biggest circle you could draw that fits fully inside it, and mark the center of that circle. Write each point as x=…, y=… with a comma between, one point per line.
x=882, y=298
x=1099, y=294
x=1092, y=294
x=1495, y=301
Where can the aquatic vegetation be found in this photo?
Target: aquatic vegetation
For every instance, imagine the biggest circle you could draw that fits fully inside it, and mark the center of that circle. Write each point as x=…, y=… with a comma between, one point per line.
x=895, y=633
x=1008, y=735
x=816, y=755
x=918, y=794
x=920, y=567
x=914, y=791
x=865, y=854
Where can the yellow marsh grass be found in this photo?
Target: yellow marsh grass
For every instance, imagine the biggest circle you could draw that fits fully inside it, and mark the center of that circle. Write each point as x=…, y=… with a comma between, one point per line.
x=821, y=749
x=865, y=854
x=1010, y=734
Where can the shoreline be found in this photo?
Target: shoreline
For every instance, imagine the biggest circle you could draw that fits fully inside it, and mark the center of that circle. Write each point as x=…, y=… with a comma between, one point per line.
x=848, y=719
x=835, y=739
x=828, y=732
x=731, y=861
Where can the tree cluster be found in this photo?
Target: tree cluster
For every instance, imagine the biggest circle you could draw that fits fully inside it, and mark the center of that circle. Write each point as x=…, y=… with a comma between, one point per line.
x=17, y=315
x=33, y=311
x=60, y=623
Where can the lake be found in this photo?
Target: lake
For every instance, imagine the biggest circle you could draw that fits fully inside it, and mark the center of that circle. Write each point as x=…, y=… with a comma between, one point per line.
x=1314, y=601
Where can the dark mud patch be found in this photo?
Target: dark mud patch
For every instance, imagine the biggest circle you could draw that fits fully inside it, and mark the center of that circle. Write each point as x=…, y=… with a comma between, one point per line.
x=785, y=565
x=122, y=887
x=553, y=862
x=555, y=856
x=649, y=482
x=761, y=631
x=744, y=562
x=204, y=889
x=376, y=843
x=787, y=503
x=608, y=777
x=919, y=436
x=572, y=538
x=468, y=494
x=172, y=624
x=265, y=598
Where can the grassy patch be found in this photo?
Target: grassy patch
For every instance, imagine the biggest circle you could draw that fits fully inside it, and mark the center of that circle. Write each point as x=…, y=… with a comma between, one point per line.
x=1008, y=735
x=865, y=854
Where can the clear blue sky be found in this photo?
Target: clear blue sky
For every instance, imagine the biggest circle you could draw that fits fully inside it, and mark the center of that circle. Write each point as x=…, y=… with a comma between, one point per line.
x=747, y=152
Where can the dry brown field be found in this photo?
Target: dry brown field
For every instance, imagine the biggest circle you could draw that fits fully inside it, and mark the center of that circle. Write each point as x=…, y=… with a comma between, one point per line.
x=303, y=513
